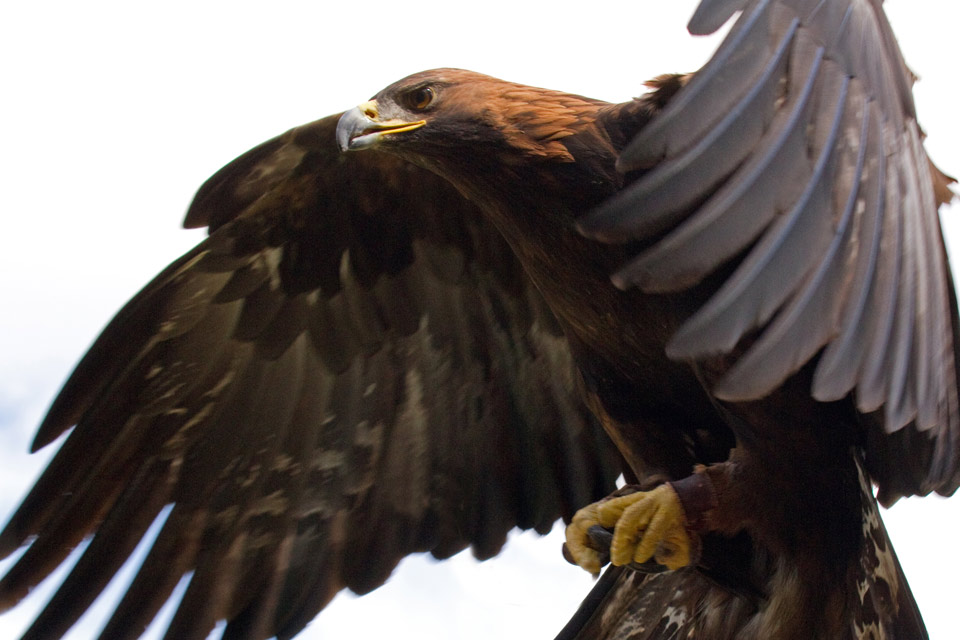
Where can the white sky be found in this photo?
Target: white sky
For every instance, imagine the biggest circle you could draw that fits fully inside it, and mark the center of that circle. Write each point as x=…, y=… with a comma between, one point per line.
x=114, y=113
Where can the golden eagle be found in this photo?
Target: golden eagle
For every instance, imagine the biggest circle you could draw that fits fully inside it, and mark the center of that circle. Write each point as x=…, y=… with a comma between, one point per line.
x=350, y=369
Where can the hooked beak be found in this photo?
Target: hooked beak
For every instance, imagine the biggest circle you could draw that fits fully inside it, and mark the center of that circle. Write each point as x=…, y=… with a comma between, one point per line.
x=359, y=128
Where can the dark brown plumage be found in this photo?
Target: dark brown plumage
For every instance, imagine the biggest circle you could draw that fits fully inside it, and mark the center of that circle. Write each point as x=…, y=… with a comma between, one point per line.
x=363, y=360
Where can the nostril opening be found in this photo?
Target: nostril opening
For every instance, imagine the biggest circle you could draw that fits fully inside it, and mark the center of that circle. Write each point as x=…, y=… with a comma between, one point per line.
x=369, y=109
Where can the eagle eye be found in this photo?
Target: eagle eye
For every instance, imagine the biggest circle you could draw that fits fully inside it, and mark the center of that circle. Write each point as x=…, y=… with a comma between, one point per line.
x=419, y=99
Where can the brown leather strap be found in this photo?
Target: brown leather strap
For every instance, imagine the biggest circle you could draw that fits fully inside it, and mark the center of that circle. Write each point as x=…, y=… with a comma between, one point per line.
x=698, y=498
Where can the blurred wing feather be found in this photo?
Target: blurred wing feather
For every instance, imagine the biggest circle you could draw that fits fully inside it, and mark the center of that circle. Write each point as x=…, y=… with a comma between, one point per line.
x=351, y=368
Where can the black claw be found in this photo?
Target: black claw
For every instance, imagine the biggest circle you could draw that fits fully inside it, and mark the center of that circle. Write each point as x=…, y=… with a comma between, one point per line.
x=600, y=540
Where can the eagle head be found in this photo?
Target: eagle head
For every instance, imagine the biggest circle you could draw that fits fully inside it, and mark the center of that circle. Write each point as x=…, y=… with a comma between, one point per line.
x=436, y=113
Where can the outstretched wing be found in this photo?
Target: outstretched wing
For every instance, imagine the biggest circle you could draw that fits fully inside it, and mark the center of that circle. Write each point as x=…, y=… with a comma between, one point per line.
x=351, y=368
x=793, y=162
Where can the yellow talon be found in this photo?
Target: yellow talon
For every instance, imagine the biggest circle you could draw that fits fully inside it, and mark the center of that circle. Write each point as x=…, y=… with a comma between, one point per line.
x=645, y=525
x=576, y=533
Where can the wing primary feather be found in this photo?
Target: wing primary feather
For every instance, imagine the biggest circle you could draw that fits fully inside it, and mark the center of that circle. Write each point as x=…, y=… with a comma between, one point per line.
x=273, y=526
x=900, y=403
x=313, y=574
x=707, y=97
x=756, y=290
x=871, y=391
x=811, y=317
x=115, y=540
x=900, y=77
x=939, y=353
x=89, y=485
x=928, y=320
x=946, y=461
x=713, y=14
x=831, y=20
x=732, y=218
x=837, y=371
x=169, y=559
x=257, y=423
x=208, y=591
x=109, y=354
x=92, y=496
x=665, y=193
x=256, y=620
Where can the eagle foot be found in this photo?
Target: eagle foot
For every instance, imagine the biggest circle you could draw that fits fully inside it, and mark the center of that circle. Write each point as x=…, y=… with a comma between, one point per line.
x=646, y=525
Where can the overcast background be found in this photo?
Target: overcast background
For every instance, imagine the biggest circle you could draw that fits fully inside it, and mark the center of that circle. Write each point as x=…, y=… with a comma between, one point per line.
x=114, y=113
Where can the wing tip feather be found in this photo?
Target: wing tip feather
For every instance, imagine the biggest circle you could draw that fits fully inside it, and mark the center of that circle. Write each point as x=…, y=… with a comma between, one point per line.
x=710, y=15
